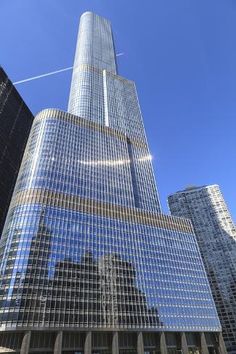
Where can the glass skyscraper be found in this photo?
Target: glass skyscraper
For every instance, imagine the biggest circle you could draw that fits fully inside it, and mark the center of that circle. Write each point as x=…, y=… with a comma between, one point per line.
x=216, y=236
x=89, y=263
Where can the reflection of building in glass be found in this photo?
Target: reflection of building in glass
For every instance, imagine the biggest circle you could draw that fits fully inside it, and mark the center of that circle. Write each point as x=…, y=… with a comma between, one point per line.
x=78, y=284
x=120, y=275
x=15, y=123
x=122, y=302
x=216, y=235
x=33, y=303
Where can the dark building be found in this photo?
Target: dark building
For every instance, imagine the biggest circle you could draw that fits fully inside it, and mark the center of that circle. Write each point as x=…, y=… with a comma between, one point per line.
x=89, y=263
x=15, y=123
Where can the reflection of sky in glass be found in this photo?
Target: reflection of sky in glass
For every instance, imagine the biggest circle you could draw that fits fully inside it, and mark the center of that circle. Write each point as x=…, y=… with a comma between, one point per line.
x=80, y=243
x=103, y=157
x=166, y=263
x=141, y=275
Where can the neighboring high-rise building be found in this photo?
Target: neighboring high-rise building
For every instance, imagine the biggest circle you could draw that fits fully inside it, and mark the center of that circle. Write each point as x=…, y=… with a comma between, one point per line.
x=89, y=264
x=15, y=123
x=216, y=235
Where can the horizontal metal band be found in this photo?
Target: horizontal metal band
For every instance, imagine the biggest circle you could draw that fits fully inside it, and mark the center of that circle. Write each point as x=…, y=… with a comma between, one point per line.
x=55, y=329
x=68, y=117
x=89, y=68
x=95, y=207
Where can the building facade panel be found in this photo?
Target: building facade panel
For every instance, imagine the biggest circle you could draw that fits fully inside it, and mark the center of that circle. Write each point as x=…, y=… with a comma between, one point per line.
x=65, y=267
x=216, y=235
x=15, y=123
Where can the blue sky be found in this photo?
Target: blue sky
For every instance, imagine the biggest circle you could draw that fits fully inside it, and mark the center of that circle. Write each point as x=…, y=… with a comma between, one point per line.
x=180, y=53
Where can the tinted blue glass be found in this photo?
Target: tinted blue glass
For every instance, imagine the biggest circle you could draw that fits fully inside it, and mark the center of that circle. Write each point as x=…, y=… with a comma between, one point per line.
x=94, y=271
x=84, y=244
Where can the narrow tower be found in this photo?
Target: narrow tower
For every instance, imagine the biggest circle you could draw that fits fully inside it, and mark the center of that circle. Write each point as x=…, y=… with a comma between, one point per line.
x=94, y=58
x=89, y=264
x=98, y=94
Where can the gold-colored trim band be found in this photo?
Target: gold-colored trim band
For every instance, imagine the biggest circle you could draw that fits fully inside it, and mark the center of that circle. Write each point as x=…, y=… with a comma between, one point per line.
x=68, y=117
x=89, y=68
x=95, y=207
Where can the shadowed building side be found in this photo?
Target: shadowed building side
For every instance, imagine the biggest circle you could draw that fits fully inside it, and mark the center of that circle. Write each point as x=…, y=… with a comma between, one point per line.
x=15, y=123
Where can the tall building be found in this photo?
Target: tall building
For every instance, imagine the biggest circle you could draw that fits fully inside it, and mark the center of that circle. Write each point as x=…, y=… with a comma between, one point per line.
x=216, y=235
x=99, y=95
x=15, y=123
x=89, y=263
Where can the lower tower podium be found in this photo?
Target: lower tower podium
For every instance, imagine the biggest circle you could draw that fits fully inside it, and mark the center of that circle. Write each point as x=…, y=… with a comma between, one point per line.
x=65, y=342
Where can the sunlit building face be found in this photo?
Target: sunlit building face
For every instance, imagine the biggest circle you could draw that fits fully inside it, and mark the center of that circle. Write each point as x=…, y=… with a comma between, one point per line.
x=85, y=246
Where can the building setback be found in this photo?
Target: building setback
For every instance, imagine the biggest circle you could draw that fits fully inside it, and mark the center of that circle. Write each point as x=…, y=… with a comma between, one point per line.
x=216, y=236
x=15, y=123
x=89, y=262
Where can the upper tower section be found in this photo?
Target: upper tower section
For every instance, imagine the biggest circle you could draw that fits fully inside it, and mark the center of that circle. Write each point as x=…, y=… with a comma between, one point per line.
x=95, y=45
x=97, y=92
x=110, y=101
x=94, y=55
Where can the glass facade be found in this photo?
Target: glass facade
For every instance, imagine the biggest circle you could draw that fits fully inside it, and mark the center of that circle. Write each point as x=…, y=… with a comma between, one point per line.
x=85, y=244
x=78, y=252
x=98, y=94
x=216, y=235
